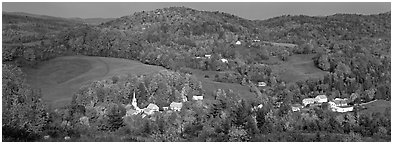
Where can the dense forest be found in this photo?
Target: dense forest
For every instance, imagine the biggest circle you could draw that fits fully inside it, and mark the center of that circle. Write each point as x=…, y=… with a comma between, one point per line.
x=353, y=50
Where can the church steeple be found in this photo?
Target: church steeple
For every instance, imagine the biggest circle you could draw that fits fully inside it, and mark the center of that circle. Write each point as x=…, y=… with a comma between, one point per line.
x=134, y=102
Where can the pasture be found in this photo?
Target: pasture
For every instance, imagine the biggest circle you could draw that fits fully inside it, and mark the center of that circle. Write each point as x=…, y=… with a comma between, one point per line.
x=59, y=78
x=376, y=106
x=298, y=67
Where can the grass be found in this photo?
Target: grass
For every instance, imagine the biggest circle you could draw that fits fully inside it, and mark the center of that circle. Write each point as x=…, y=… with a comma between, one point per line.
x=59, y=78
x=298, y=67
x=209, y=85
x=377, y=106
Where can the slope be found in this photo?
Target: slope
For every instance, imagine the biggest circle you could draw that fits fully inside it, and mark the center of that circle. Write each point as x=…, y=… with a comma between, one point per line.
x=59, y=78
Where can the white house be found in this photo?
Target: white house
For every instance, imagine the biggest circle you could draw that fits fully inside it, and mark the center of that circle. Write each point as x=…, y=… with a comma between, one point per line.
x=321, y=98
x=208, y=56
x=67, y=138
x=261, y=84
x=150, y=109
x=343, y=109
x=176, y=106
x=238, y=43
x=46, y=137
x=340, y=102
x=295, y=109
x=308, y=101
x=224, y=60
x=165, y=108
x=257, y=107
x=197, y=97
x=256, y=40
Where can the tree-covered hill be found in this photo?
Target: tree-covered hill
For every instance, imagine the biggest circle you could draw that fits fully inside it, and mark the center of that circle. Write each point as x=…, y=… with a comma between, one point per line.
x=351, y=54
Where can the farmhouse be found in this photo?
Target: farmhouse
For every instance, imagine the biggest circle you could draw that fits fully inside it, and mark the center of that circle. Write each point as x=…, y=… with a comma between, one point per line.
x=340, y=102
x=321, y=98
x=197, y=98
x=176, y=106
x=150, y=109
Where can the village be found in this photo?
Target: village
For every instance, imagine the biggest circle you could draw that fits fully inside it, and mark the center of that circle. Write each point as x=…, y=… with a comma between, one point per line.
x=133, y=109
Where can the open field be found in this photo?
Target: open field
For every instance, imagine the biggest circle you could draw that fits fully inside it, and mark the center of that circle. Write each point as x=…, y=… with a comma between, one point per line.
x=298, y=67
x=59, y=78
x=376, y=106
x=209, y=85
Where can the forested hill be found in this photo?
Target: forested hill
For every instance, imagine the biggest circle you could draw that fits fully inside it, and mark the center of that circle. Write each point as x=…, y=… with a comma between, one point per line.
x=327, y=29
x=340, y=56
x=184, y=21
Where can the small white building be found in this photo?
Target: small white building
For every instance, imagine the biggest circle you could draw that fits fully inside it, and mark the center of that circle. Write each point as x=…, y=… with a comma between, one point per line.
x=340, y=102
x=224, y=60
x=165, y=108
x=295, y=109
x=197, y=97
x=208, y=56
x=46, y=137
x=176, y=106
x=321, y=98
x=256, y=40
x=238, y=43
x=308, y=101
x=67, y=138
x=262, y=84
x=342, y=109
x=255, y=108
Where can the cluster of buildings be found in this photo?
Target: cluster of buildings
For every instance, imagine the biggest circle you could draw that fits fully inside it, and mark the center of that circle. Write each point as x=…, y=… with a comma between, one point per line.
x=336, y=105
x=133, y=109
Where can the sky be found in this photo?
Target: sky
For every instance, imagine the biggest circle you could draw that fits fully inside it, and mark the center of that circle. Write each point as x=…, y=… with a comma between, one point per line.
x=248, y=10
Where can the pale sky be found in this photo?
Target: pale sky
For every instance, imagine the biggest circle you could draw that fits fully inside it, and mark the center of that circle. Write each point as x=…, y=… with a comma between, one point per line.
x=248, y=10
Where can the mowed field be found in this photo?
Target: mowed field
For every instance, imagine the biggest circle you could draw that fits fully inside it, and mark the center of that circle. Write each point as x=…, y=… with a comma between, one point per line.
x=376, y=106
x=297, y=67
x=209, y=85
x=61, y=77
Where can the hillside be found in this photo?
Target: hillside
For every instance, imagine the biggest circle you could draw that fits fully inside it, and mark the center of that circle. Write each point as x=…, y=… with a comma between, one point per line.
x=251, y=75
x=61, y=77
x=24, y=27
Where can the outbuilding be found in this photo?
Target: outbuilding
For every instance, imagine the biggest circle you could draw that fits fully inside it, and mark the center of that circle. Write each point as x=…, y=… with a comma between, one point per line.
x=176, y=106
